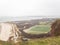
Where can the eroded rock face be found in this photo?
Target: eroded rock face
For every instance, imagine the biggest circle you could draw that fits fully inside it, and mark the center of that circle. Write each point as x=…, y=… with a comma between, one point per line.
x=9, y=31
x=55, y=28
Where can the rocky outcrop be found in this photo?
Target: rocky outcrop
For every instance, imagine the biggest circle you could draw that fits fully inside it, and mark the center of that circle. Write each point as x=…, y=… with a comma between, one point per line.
x=55, y=28
x=9, y=32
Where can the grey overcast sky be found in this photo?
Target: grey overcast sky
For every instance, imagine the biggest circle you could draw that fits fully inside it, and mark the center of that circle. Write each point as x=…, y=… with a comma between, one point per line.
x=30, y=8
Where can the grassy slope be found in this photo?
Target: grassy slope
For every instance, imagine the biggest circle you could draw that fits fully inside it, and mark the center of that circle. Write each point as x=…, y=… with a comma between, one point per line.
x=46, y=41
x=42, y=41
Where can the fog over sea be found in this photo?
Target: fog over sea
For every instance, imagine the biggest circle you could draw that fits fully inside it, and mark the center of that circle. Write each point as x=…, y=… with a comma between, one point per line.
x=21, y=18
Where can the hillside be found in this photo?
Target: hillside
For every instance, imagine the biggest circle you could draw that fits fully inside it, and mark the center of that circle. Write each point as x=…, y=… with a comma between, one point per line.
x=35, y=33
x=41, y=41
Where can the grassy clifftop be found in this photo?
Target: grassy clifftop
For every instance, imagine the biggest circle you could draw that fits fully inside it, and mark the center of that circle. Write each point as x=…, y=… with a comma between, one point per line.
x=46, y=41
x=41, y=41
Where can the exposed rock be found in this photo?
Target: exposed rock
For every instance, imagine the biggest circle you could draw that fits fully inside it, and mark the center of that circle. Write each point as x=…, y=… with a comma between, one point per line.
x=9, y=32
x=55, y=28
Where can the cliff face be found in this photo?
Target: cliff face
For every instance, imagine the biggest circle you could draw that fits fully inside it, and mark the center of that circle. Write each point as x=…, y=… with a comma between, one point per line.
x=9, y=31
x=55, y=28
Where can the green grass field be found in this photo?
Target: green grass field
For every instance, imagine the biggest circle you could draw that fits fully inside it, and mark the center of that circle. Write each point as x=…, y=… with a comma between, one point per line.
x=38, y=29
